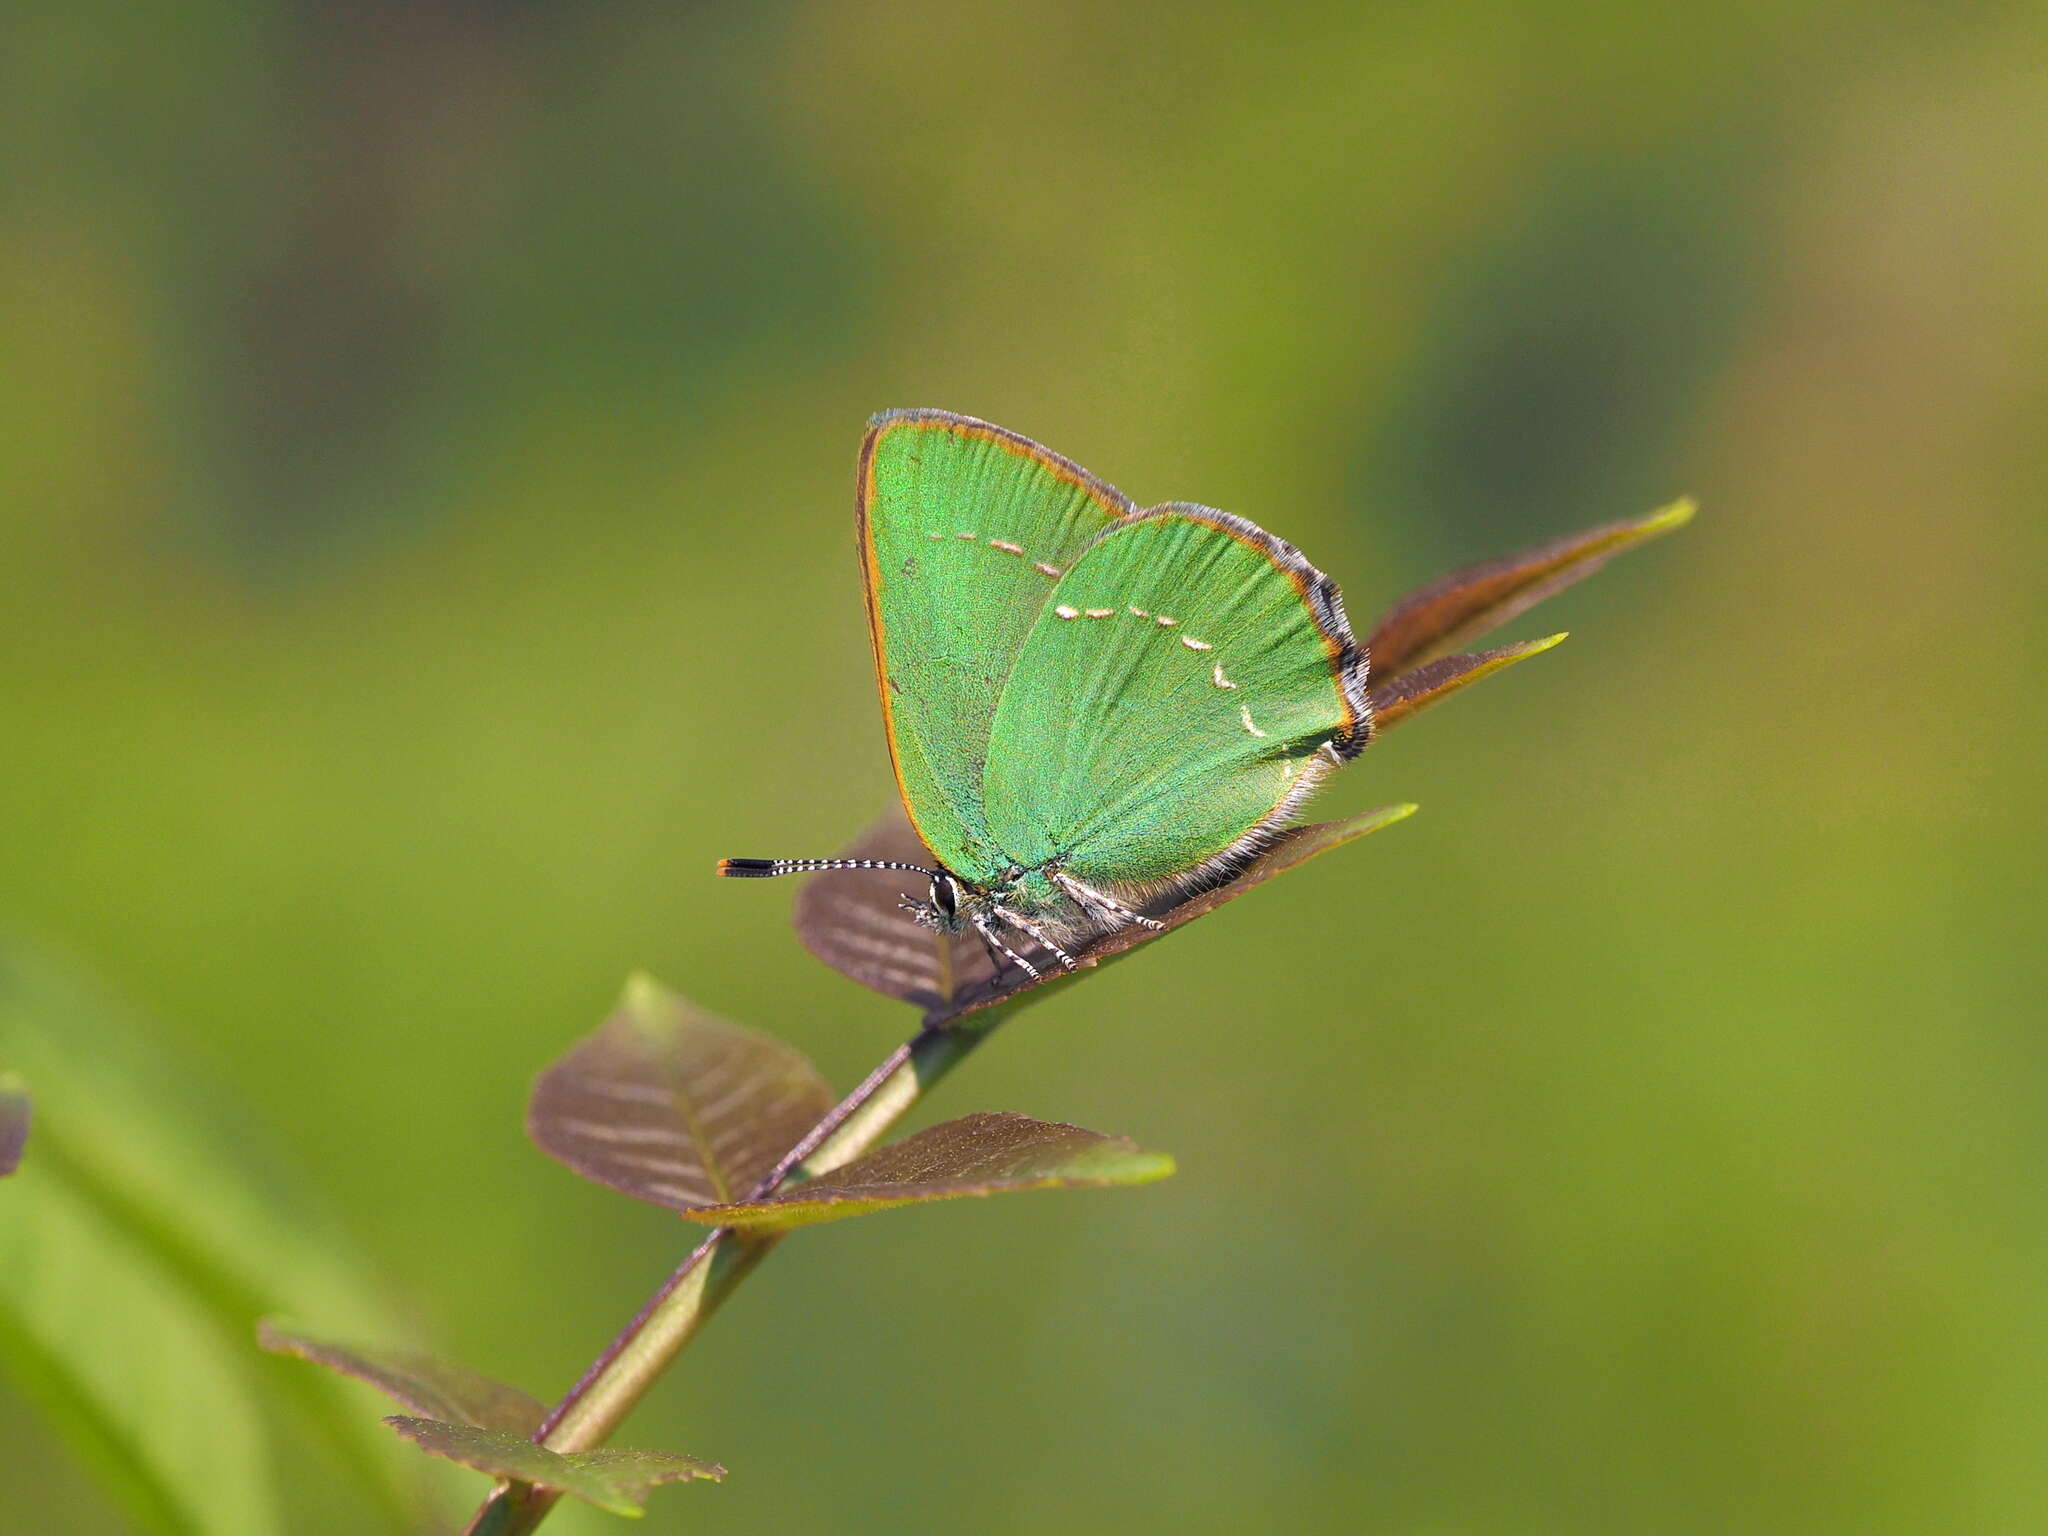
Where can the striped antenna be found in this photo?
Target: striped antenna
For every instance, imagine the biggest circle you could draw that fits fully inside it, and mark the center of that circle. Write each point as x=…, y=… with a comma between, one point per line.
x=765, y=869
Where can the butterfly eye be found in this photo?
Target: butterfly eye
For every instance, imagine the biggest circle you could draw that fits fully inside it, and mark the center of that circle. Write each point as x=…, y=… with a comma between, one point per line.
x=943, y=896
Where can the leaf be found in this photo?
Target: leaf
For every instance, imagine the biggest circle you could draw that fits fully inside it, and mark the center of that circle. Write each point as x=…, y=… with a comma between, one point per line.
x=1435, y=619
x=127, y=1367
x=14, y=1119
x=428, y=1386
x=670, y=1105
x=614, y=1480
x=1415, y=690
x=851, y=921
x=982, y=1154
x=169, y=1251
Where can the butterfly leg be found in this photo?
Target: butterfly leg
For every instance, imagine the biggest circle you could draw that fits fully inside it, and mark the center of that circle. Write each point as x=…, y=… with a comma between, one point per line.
x=1037, y=936
x=995, y=959
x=1102, y=901
x=985, y=926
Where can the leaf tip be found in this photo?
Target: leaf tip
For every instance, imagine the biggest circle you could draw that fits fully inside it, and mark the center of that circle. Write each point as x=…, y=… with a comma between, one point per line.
x=1386, y=816
x=1151, y=1167
x=1668, y=518
x=642, y=994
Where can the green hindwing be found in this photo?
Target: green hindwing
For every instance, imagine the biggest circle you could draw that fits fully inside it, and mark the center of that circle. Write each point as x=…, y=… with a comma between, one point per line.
x=1189, y=681
x=965, y=532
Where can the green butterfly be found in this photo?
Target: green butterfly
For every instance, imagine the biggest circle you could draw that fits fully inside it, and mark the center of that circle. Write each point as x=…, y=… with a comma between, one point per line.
x=1092, y=707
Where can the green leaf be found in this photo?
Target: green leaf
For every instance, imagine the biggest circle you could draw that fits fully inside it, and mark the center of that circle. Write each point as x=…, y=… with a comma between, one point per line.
x=127, y=1196
x=670, y=1105
x=1414, y=691
x=14, y=1119
x=851, y=920
x=982, y=1154
x=1436, y=619
x=420, y=1382
x=127, y=1365
x=615, y=1480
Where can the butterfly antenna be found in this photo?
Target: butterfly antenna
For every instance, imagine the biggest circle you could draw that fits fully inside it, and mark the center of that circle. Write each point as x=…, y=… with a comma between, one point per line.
x=766, y=869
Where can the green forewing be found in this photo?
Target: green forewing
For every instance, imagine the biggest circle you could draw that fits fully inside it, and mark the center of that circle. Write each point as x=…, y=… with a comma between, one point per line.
x=1167, y=699
x=966, y=531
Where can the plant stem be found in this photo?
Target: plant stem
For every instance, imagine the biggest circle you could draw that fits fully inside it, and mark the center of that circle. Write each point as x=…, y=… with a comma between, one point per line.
x=649, y=1344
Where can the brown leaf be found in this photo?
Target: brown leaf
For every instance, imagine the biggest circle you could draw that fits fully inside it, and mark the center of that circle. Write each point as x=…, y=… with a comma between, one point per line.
x=670, y=1105
x=15, y=1113
x=851, y=920
x=982, y=1154
x=615, y=1480
x=1415, y=690
x=1435, y=619
x=419, y=1382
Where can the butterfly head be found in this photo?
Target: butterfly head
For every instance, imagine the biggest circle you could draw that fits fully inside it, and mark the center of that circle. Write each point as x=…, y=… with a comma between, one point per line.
x=953, y=905
x=947, y=910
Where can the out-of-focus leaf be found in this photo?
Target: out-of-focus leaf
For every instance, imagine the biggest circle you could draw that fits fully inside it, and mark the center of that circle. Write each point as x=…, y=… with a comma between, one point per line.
x=14, y=1118
x=615, y=1480
x=127, y=1366
x=1413, y=691
x=427, y=1386
x=982, y=1154
x=173, y=1252
x=670, y=1105
x=851, y=920
x=1436, y=619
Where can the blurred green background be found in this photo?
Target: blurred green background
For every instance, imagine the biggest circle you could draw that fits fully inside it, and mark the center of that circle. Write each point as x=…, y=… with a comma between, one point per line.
x=426, y=439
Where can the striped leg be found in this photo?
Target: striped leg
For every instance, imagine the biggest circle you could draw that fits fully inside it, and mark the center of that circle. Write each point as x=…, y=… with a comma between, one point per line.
x=985, y=926
x=1102, y=901
x=1037, y=936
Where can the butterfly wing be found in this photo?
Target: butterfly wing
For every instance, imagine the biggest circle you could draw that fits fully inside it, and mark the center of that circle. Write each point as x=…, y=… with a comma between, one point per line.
x=1175, y=698
x=965, y=532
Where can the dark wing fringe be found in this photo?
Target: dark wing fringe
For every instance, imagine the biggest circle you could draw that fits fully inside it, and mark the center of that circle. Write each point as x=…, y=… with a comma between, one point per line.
x=1349, y=663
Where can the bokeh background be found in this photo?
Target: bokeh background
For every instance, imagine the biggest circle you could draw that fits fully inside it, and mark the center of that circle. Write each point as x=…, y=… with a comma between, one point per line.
x=426, y=439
